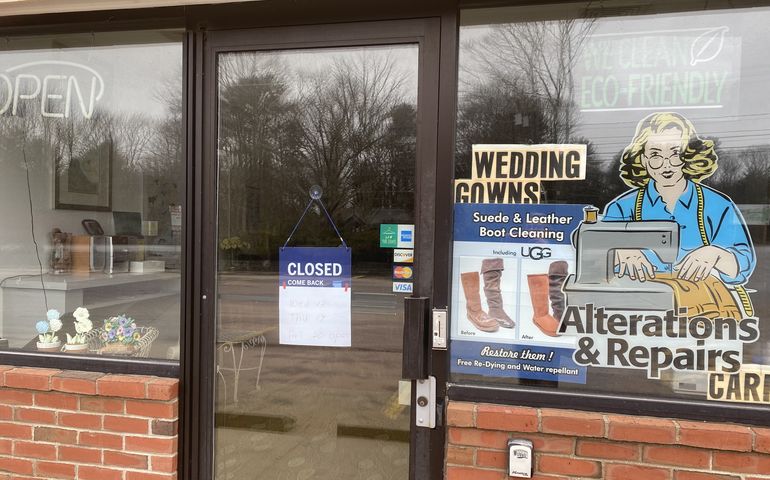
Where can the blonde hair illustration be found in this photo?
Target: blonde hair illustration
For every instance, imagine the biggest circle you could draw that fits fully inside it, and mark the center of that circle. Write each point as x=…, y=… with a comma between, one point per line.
x=698, y=155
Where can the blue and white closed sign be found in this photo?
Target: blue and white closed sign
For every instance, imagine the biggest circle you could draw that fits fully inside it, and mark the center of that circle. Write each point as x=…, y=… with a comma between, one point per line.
x=314, y=296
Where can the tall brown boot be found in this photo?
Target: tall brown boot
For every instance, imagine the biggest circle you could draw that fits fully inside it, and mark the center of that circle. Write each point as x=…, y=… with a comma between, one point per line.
x=538, y=292
x=492, y=271
x=557, y=273
x=476, y=315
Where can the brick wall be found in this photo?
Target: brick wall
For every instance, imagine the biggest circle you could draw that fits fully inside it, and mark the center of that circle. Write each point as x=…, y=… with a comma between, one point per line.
x=577, y=445
x=87, y=426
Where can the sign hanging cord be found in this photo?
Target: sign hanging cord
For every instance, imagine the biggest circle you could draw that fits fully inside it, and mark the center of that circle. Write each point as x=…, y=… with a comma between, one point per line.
x=315, y=197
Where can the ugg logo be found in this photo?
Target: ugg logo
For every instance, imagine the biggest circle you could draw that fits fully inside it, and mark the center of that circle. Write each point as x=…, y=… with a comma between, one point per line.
x=536, y=253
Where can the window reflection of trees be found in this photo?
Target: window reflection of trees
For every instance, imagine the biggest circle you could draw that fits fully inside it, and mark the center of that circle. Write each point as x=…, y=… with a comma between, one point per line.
x=518, y=86
x=348, y=126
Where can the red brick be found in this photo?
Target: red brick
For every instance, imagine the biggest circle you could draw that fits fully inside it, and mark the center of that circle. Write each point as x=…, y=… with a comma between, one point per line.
x=16, y=465
x=149, y=476
x=56, y=435
x=54, y=470
x=166, y=428
x=761, y=439
x=465, y=473
x=124, y=386
x=608, y=450
x=158, y=410
x=41, y=451
x=645, y=430
x=86, y=472
x=550, y=443
x=492, y=458
x=501, y=417
x=79, y=454
x=3, y=369
x=566, y=422
x=35, y=415
x=629, y=472
x=460, y=414
x=128, y=460
x=715, y=435
x=741, y=462
x=478, y=438
x=76, y=382
x=152, y=409
x=683, y=475
x=167, y=464
x=126, y=424
x=100, y=440
x=680, y=456
x=569, y=466
x=85, y=421
x=15, y=397
x=30, y=378
x=18, y=477
x=13, y=430
x=58, y=401
x=151, y=445
x=163, y=389
x=6, y=412
x=6, y=446
x=102, y=405
x=454, y=455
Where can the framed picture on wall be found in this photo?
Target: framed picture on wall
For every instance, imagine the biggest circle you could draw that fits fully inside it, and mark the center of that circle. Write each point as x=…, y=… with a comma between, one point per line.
x=84, y=181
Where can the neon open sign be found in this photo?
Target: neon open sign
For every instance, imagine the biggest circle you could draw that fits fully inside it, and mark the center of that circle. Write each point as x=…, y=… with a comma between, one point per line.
x=73, y=84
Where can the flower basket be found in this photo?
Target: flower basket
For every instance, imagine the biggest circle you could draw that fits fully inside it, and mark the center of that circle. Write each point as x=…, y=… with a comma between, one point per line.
x=140, y=348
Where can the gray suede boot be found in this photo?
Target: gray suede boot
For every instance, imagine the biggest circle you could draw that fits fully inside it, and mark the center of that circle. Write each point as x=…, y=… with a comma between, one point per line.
x=492, y=271
x=557, y=273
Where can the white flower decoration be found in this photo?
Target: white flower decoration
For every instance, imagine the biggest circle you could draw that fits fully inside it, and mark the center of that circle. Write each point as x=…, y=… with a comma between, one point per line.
x=83, y=325
x=55, y=324
x=81, y=314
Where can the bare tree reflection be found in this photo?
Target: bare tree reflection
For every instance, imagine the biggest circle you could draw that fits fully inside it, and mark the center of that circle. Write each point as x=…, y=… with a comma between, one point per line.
x=347, y=127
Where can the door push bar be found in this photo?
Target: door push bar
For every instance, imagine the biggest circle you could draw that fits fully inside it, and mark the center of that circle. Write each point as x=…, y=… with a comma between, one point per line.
x=415, y=359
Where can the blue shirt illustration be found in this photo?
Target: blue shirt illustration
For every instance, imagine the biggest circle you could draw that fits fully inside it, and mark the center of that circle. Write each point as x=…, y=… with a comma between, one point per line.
x=723, y=222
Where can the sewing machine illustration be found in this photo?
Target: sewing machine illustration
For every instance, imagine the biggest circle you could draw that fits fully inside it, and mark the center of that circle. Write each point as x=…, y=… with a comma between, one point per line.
x=595, y=280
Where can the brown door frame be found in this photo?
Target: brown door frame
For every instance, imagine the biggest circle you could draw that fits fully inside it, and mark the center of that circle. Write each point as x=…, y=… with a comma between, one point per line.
x=426, y=445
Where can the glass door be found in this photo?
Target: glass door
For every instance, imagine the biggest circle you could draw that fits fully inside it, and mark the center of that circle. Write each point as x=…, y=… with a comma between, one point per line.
x=319, y=167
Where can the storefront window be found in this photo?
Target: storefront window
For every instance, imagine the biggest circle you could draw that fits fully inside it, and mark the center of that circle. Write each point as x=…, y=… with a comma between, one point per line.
x=92, y=179
x=612, y=202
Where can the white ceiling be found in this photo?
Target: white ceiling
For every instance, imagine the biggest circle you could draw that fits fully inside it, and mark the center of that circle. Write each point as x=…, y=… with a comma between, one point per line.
x=26, y=7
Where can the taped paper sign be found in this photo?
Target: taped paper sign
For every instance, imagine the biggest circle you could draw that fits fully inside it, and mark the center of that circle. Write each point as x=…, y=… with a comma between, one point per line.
x=512, y=173
x=315, y=295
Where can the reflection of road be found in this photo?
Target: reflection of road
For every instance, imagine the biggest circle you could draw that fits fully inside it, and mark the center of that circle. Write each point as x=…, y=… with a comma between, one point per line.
x=298, y=423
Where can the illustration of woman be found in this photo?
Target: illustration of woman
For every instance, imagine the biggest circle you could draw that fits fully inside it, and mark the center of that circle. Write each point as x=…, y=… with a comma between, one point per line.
x=665, y=164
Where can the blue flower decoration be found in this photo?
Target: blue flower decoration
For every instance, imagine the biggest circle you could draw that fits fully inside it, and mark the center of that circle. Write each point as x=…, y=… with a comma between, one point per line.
x=42, y=327
x=53, y=314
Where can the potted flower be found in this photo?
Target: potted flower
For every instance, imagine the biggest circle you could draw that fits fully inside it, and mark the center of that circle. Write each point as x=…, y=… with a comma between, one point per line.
x=83, y=325
x=231, y=246
x=120, y=335
x=47, y=339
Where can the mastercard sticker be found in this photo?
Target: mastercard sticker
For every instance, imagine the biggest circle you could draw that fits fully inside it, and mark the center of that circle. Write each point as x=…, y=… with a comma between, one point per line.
x=402, y=272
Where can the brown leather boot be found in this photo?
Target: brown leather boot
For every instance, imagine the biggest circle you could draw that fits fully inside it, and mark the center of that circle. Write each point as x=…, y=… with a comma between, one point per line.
x=557, y=273
x=538, y=292
x=492, y=271
x=476, y=315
